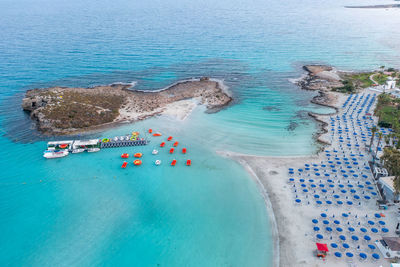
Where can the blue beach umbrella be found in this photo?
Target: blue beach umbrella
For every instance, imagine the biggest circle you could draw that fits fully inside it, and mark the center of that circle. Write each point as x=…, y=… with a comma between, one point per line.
x=328, y=229
x=381, y=222
x=345, y=246
x=323, y=215
x=342, y=237
x=305, y=190
x=336, y=222
x=362, y=229
x=328, y=202
x=338, y=254
x=298, y=200
x=385, y=230
x=349, y=203
x=334, y=245
x=319, y=236
x=375, y=256
x=363, y=256
x=351, y=229
x=319, y=202
x=349, y=255
x=339, y=229
x=345, y=215
x=326, y=222
x=374, y=230
x=339, y=202
x=316, y=228
x=371, y=223
x=367, y=238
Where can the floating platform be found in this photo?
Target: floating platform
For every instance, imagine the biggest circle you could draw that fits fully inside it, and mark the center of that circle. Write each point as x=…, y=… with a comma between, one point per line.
x=119, y=143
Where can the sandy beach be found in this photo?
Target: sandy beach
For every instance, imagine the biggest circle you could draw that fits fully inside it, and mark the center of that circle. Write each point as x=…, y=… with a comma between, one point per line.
x=294, y=239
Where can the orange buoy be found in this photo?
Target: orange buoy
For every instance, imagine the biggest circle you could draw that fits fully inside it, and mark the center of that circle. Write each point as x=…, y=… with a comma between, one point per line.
x=176, y=143
x=171, y=150
x=173, y=163
x=184, y=150
x=150, y=130
x=124, y=165
x=138, y=155
x=137, y=162
x=188, y=162
x=157, y=134
x=162, y=144
x=125, y=156
x=169, y=138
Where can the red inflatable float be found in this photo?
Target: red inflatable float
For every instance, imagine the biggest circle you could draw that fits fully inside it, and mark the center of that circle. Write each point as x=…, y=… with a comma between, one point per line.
x=171, y=150
x=173, y=163
x=188, y=162
x=184, y=150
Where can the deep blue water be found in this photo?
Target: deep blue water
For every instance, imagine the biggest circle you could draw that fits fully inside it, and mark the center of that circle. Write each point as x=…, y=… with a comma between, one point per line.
x=84, y=210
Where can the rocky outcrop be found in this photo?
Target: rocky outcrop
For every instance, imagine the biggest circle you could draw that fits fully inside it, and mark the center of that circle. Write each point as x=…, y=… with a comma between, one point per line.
x=320, y=77
x=62, y=110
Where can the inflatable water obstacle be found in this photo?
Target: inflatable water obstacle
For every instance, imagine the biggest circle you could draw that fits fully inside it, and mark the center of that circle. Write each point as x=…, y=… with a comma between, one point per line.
x=171, y=150
x=176, y=143
x=157, y=134
x=150, y=130
x=138, y=155
x=162, y=144
x=173, y=163
x=124, y=165
x=188, y=162
x=184, y=150
x=137, y=162
x=125, y=156
x=169, y=138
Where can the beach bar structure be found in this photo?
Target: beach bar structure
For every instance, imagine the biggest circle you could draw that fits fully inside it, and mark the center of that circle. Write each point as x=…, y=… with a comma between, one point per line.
x=57, y=149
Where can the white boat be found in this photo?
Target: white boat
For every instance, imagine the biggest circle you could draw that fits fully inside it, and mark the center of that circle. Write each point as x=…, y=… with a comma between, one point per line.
x=94, y=149
x=155, y=152
x=78, y=150
x=52, y=154
x=157, y=162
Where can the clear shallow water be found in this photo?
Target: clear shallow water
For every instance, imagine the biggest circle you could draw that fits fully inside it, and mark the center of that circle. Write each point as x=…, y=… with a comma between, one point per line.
x=84, y=210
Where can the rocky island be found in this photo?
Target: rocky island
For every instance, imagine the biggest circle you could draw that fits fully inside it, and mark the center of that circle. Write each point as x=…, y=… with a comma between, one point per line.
x=66, y=110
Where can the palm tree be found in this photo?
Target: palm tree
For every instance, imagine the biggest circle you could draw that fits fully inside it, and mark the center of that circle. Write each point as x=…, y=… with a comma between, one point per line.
x=391, y=161
x=373, y=130
x=377, y=146
x=387, y=140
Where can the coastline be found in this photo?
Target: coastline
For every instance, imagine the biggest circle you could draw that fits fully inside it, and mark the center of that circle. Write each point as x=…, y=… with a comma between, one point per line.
x=70, y=111
x=293, y=245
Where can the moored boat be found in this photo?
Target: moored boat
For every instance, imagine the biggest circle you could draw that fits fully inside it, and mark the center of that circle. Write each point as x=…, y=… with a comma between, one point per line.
x=52, y=154
x=157, y=162
x=155, y=152
x=93, y=149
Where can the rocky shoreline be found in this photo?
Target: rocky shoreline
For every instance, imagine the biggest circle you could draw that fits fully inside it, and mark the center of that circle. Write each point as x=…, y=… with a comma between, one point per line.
x=67, y=110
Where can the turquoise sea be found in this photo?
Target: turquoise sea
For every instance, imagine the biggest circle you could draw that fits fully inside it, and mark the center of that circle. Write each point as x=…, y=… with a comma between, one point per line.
x=84, y=210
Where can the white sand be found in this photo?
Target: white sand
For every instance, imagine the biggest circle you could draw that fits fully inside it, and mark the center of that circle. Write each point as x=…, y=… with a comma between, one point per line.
x=179, y=110
x=294, y=243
